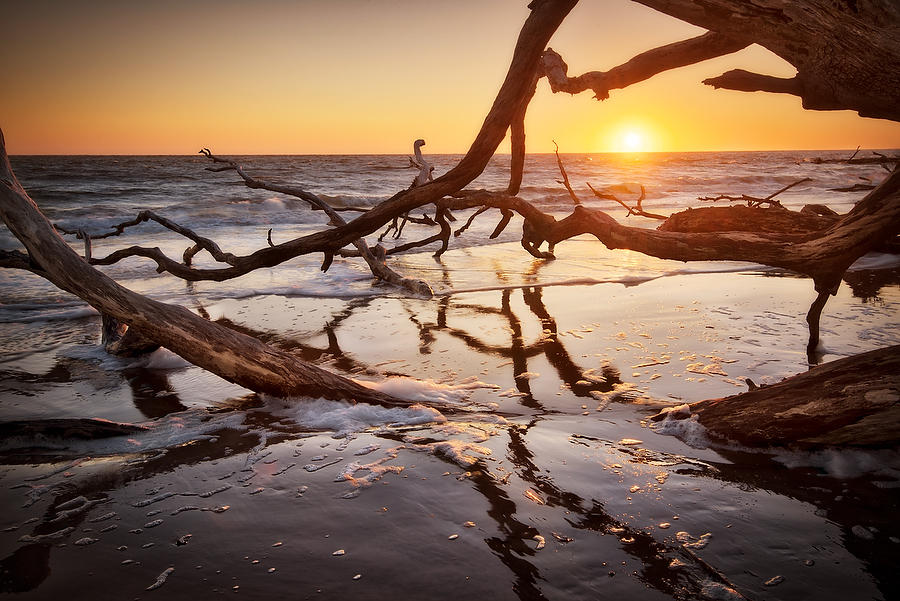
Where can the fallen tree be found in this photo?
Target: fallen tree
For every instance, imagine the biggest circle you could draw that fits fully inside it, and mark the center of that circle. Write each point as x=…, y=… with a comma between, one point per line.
x=853, y=401
x=821, y=253
x=234, y=356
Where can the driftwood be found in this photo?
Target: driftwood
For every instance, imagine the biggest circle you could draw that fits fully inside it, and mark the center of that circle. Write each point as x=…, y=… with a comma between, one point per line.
x=740, y=218
x=853, y=401
x=847, y=58
x=373, y=259
x=234, y=356
x=847, y=54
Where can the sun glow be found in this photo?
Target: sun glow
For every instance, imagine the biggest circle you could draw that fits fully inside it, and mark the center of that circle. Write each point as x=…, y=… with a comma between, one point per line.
x=631, y=137
x=633, y=141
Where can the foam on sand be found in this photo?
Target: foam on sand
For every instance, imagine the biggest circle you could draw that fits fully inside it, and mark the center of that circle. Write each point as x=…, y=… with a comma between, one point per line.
x=680, y=423
x=846, y=464
x=345, y=418
x=427, y=391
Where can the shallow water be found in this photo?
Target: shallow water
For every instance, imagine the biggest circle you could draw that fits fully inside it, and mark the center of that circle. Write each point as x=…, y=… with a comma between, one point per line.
x=538, y=478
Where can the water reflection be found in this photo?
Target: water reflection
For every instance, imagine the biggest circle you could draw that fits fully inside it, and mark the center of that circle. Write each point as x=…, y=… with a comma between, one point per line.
x=515, y=523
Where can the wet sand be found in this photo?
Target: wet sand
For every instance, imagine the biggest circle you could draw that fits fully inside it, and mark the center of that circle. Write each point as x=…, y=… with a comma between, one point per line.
x=547, y=482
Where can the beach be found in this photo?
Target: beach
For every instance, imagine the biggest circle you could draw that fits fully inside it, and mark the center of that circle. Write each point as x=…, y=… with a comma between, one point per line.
x=530, y=469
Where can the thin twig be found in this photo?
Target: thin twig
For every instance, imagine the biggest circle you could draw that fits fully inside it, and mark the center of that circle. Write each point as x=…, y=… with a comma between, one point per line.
x=565, y=177
x=639, y=210
x=753, y=201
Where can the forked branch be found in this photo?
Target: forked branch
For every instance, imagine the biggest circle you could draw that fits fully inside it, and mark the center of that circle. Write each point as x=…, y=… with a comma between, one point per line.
x=753, y=201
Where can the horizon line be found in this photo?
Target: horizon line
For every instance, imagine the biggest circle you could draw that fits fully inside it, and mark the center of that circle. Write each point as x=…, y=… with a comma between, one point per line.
x=610, y=152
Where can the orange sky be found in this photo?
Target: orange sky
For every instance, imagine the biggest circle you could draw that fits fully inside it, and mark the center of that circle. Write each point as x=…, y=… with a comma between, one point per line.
x=358, y=76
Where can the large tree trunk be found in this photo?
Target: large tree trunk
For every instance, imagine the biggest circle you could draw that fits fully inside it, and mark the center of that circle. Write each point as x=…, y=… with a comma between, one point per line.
x=232, y=355
x=850, y=402
x=847, y=53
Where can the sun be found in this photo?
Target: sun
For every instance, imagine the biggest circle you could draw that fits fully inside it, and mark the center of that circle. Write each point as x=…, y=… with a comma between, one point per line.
x=632, y=141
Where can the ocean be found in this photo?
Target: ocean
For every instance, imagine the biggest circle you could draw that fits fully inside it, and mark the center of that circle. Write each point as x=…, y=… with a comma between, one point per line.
x=96, y=192
x=548, y=483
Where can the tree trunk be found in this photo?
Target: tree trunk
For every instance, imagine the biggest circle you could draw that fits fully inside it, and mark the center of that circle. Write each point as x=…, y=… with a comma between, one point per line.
x=231, y=355
x=234, y=356
x=850, y=402
x=847, y=53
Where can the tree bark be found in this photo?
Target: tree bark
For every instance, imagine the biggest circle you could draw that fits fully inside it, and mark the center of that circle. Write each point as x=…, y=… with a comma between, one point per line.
x=641, y=67
x=847, y=54
x=850, y=402
x=231, y=355
x=234, y=356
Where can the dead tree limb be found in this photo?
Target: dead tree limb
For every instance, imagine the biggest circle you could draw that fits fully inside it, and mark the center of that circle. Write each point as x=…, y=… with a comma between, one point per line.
x=823, y=255
x=740, y=80
x=426, y=169
x=643, y=66
x=853, y=401
x=847, y=54
x=378, y=267
x=565, y=176
x=233, y=356
x=517, y=144
x=545, y=18
x=636, y=210
x=753, y=201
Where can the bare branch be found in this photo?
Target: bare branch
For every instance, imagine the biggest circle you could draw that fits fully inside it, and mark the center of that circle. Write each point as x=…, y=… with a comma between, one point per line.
x=235, y=357
x=846, y=53
x=469, y=221
x=641, y=67
x=565, y=177
x=637, y=210
x=426, y=169
x=753, y=201
x=15, y=259
x=746, y=81
x=379, y=269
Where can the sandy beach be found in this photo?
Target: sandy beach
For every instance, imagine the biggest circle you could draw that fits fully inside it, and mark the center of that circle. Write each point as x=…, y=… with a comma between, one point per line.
x=539, y=478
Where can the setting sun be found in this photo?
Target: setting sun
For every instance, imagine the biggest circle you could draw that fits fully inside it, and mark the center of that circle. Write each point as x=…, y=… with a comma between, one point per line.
x=631, y=136
x=632, y=141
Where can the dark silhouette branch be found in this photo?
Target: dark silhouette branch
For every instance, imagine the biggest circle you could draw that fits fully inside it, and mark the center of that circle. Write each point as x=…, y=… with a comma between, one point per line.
x=745, y=81
x=754, y=201
x=641, y=67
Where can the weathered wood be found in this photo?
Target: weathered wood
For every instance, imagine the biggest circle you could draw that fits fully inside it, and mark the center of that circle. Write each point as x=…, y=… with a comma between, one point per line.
x=847, y=54
x=514, y=93
x=853, y=401
x=740, y=218
x=233, y=356
x=377, y=265
x=824, y=257
x=641, y=67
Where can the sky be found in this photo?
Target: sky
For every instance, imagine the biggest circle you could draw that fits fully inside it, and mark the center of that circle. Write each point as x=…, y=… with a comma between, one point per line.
x=368, y=76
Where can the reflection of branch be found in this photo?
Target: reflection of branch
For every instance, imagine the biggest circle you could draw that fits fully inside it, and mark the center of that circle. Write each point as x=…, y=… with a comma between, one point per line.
x=694, y=573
